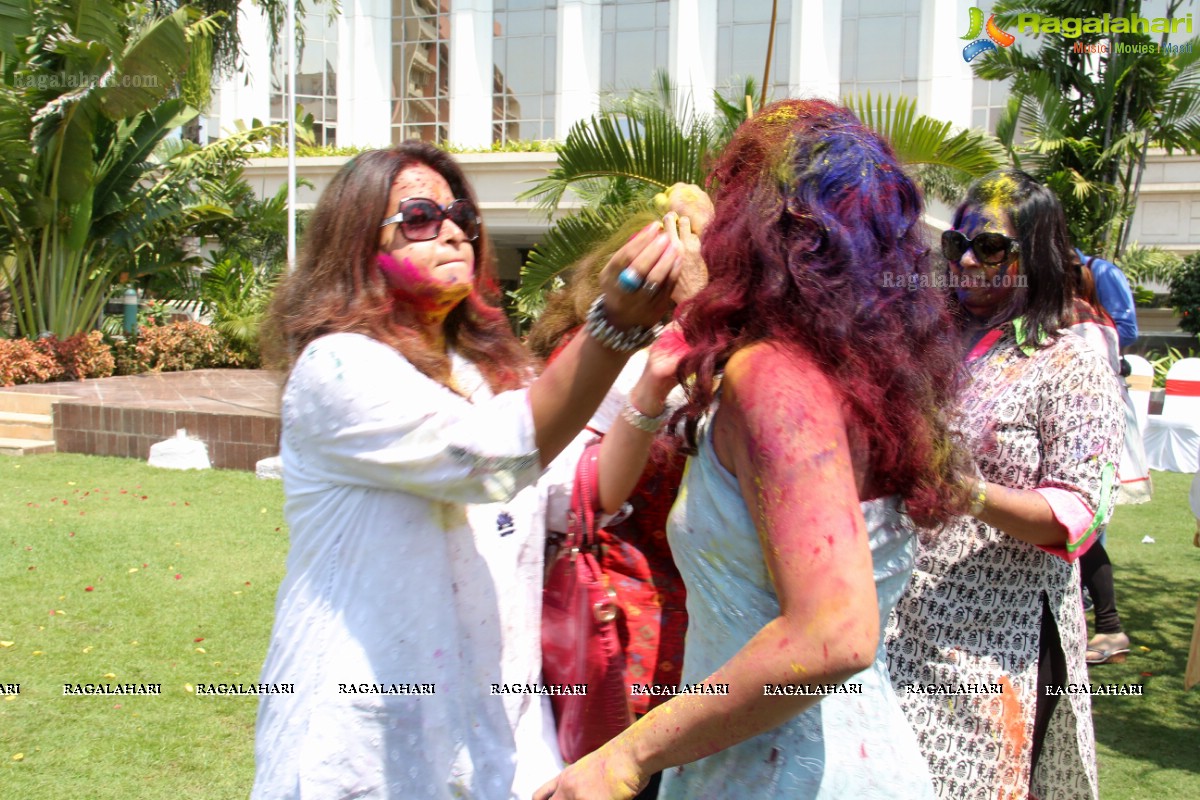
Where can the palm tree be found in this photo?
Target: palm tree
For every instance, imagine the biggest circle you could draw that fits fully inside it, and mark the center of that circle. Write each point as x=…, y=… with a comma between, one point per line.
x=90, y=89
x=619, y=159
x=1082, y=122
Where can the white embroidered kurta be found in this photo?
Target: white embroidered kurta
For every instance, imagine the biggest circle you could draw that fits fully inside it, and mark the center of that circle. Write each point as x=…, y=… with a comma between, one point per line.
x=415, y=561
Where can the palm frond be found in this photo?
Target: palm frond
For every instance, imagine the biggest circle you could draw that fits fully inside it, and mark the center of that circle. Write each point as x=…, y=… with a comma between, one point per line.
x=563, y=246
x=647, y=145
x=921, y=139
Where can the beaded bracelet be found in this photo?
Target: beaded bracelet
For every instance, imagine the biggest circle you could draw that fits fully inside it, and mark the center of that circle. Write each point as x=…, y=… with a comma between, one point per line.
x=599, y=328
x=644, y=422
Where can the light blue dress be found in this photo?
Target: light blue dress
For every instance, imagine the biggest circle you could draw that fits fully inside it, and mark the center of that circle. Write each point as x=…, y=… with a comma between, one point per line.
x=848, y=745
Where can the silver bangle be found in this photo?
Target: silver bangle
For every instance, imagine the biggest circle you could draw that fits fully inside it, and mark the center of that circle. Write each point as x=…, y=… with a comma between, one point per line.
x=599, y=328
x=644, y=422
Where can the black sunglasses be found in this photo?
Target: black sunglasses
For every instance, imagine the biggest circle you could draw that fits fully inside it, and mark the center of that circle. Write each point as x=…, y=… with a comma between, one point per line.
x=989, y=248
x=420, y=218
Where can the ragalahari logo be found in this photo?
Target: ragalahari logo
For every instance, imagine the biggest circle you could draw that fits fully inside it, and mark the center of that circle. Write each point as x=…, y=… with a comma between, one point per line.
x=979, y=45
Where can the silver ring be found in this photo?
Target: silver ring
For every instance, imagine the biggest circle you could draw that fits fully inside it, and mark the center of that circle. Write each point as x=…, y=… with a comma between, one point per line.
x=630, y=280
x=650, y=287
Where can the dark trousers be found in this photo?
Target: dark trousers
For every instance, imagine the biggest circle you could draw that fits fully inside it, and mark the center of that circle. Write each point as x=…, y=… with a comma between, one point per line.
x=1095, y=572
x=1052, y=672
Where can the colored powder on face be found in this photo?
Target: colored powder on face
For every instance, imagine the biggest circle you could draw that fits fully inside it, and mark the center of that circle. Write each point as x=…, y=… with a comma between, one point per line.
x=417, y=288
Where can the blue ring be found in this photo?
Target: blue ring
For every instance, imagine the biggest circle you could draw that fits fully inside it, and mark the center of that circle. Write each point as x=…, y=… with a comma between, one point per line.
x=629, y=280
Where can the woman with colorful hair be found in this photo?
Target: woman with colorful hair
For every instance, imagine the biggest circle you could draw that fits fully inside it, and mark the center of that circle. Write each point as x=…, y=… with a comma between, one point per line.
x=991, y=628
x=410, y=423
x=817, y=386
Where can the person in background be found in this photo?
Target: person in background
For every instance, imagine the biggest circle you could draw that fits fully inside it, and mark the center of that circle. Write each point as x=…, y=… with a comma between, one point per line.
x=819, y=407
x=634, y=555
x=1114, y=295
x=994, y=606
x=411, y=420
x=1110, y=644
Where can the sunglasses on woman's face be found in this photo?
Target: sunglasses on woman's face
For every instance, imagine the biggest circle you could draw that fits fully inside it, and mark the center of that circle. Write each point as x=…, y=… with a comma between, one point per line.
x=989, y=248
x=421, y=219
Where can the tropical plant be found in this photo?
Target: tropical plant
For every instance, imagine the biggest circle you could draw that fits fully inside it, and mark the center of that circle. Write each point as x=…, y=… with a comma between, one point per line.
x=1082, y=121
x=1185, y=294
x=231, y=285
x=224, y=47
x=90, y=89
x=1162, y=363
x=616, y=161
x=1142, y=264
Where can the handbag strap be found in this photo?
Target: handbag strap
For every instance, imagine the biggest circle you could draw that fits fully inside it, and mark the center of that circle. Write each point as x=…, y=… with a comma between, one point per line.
x=585, y=498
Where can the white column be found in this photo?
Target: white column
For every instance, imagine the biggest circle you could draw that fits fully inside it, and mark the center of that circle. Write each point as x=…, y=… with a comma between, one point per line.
x=246, y=95
x=471, y=70
x=578, y=79
x=364, y=80
x=944, y=79
x=692, y=52
x=816, y=54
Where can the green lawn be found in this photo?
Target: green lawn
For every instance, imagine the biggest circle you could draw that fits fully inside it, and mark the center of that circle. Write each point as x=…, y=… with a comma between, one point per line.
x=1149, y=747
x=183, y=568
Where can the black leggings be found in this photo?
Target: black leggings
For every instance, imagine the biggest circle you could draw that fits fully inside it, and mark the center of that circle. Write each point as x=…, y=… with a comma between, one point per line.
x=1095, y=572
x=1052, y=671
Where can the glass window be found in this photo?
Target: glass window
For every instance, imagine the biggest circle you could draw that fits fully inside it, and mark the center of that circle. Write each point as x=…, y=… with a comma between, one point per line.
x=633, y=45
x=879, y=48
x=316, y=79
x=988, y=100
x=743, y=31
x=420, y=70
x=525, y=56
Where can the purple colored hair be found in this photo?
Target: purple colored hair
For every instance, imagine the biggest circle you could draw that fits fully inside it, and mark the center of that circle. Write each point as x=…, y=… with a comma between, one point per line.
x=816, y=243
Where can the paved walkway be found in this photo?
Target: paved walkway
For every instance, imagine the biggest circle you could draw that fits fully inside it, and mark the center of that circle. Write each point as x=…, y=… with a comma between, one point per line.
x=218, y=391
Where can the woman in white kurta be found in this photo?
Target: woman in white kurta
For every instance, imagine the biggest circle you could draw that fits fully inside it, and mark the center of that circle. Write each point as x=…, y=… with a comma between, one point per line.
x=409, y=618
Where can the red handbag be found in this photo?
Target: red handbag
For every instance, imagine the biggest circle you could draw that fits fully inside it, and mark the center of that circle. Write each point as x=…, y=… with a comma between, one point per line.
x=580, y=640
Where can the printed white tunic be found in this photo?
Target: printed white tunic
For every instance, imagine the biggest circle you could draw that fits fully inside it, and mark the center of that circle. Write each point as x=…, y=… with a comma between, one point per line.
x=1045, y=419
x=414, y=561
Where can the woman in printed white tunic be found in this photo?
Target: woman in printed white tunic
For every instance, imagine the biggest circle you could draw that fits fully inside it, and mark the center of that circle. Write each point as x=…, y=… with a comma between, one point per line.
x=994, y=600
x=407, y=432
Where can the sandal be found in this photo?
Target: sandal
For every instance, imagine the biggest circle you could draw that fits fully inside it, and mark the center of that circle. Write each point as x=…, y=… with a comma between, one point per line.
x=1107, y=648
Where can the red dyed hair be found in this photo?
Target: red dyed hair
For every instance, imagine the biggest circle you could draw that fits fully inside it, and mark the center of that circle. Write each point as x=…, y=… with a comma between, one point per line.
x=337, y=285
x=816, y=243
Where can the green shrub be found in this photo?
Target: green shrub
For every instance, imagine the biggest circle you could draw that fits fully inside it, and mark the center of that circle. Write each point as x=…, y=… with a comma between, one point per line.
x=174, y=347
x=1162, y=363
x=1185, y=294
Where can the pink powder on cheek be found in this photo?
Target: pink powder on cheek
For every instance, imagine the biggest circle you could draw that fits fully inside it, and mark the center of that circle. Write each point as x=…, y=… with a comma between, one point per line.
x=416, y=286
x=401, y=273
